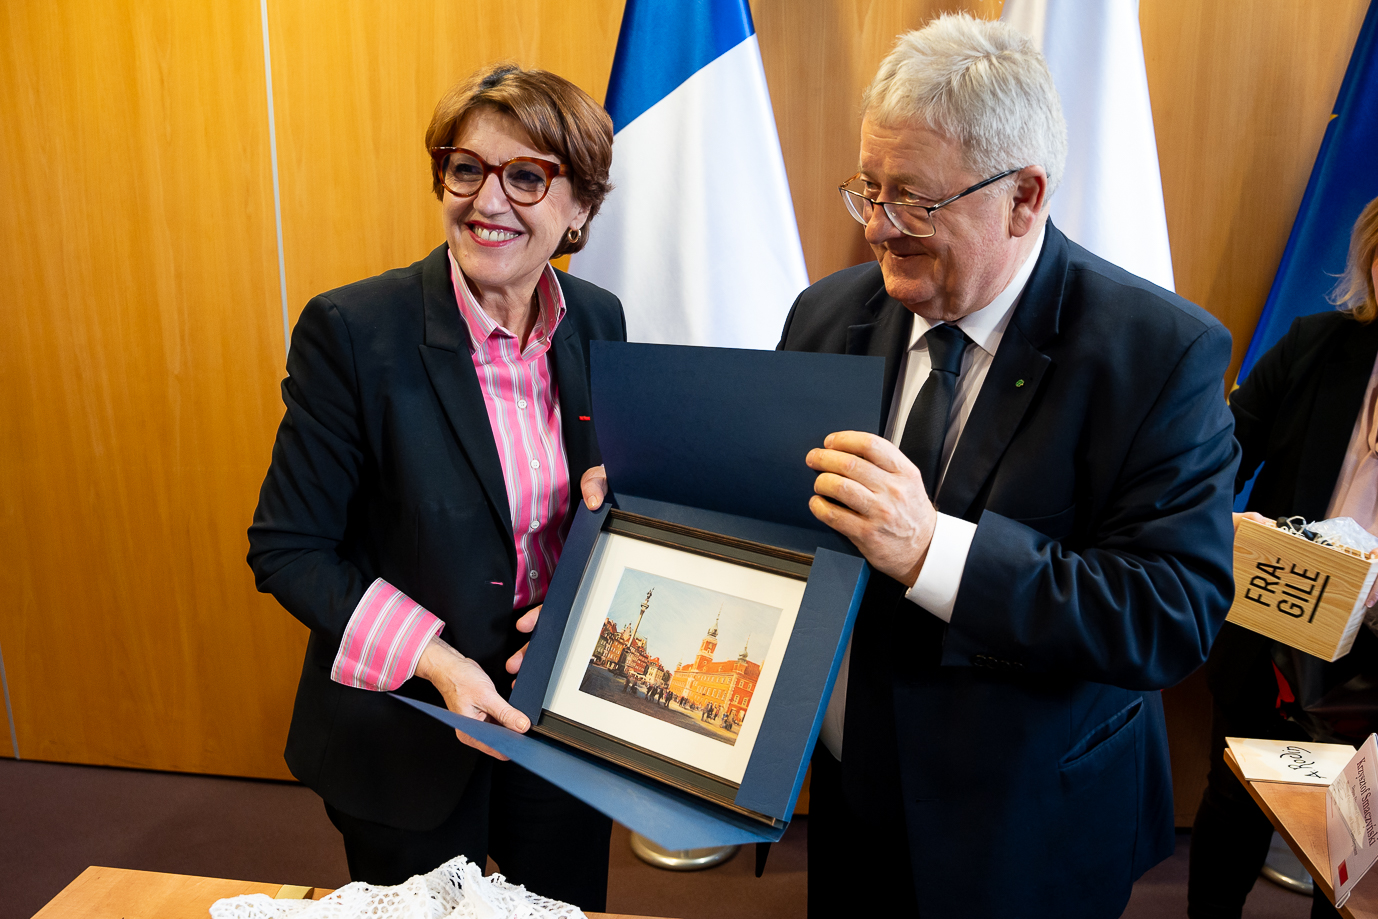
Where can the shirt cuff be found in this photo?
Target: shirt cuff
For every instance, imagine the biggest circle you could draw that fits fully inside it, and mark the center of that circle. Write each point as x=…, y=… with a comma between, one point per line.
x=941, y=574
x=384, y=639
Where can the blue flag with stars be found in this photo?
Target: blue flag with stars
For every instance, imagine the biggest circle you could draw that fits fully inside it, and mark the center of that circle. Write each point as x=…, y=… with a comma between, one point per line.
x=1344, y=179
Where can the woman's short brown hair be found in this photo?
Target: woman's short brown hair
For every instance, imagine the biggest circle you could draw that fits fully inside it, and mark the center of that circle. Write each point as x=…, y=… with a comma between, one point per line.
x=560, y=118
x=1354, y=294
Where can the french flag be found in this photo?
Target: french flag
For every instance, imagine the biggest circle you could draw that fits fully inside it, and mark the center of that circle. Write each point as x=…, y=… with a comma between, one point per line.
x=1111, y=196
x=698, y=239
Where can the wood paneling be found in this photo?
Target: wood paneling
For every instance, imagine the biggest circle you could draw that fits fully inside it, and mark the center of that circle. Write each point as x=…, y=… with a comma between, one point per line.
x=6, y=739
x=1187, y=707
x=354, y=85
x=1242, y=91
x=137, y=381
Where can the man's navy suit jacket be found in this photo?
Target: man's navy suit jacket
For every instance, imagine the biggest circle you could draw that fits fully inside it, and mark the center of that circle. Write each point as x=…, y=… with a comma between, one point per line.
x=1025, y=741
x=385, y=466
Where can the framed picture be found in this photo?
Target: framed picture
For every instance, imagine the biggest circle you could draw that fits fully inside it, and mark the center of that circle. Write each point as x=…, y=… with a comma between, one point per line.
x=672, y=650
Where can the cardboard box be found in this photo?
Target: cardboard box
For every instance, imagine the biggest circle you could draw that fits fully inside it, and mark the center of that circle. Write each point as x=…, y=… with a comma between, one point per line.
x=1302, y=594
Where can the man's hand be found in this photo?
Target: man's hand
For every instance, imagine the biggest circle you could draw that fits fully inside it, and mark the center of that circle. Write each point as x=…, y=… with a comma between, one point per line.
x=468, y=691
x=593, y=485
x=887, y=514
x=526, y=625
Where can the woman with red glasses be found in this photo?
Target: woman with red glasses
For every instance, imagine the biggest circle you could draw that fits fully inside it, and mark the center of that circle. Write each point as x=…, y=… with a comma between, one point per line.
x=437, y=426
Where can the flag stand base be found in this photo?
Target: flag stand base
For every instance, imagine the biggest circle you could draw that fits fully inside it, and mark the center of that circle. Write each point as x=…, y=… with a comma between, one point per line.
x=680, y=859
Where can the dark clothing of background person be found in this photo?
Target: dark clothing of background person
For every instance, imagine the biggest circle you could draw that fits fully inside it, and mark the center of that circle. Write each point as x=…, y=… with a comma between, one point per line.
x=1015, y=760
x=1294, y=415
x=385, y=466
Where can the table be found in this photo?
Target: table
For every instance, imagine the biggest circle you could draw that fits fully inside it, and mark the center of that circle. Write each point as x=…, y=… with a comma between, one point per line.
x=119, y=893
x=1298, y=813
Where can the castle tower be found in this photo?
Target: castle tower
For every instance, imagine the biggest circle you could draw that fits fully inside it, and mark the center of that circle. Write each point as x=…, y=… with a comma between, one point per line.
x=709, y=645
x=742, y=657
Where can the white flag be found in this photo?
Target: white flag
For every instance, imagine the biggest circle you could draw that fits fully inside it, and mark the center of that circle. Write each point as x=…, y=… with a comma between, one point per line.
x=1111, y=197
x=698, y=238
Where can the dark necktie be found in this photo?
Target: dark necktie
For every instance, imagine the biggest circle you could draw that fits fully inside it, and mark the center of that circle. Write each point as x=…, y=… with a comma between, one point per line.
x=926, y=428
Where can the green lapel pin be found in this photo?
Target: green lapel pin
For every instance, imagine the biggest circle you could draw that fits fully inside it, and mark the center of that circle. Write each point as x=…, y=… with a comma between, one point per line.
x=1018, y=383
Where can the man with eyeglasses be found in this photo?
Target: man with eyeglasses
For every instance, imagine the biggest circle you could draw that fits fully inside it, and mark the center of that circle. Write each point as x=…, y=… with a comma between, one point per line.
x=1047, y=516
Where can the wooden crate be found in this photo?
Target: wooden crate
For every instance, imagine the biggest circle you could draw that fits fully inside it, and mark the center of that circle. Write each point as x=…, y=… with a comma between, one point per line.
x=1302, y=594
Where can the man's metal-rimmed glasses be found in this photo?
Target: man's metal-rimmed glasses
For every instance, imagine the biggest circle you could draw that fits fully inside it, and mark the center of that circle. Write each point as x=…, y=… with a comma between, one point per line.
x=523, y=179
x=909, y=219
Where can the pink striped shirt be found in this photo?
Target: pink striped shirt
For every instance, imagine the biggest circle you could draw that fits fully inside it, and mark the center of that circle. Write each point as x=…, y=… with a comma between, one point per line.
x=387, y=632
x=524, y=410
x=383, y=640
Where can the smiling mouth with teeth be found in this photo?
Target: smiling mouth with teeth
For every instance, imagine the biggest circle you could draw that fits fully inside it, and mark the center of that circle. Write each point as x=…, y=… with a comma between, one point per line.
x=493, y=236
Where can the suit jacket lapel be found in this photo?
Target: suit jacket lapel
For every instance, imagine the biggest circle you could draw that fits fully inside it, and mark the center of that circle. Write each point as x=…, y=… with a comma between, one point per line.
x=887, y=336
x=1339, y=399
x=445, y=355
x=1010, y=384
x=576, y=409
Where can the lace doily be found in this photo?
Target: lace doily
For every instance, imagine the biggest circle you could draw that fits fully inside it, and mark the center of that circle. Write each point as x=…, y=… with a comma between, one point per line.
x=455, y=890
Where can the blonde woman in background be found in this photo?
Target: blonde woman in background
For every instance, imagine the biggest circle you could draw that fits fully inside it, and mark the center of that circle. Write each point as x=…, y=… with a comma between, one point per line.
x=1308, y=414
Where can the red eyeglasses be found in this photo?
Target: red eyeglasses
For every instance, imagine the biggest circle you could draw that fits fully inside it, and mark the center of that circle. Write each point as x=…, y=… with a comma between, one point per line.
x=525, y=180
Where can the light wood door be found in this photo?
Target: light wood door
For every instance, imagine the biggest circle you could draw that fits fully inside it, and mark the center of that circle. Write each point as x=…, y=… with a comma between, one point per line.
x=138, y=377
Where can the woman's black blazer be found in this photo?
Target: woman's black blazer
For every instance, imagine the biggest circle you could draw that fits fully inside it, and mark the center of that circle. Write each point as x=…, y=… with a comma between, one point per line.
x=1296, y=410
x=385, y=466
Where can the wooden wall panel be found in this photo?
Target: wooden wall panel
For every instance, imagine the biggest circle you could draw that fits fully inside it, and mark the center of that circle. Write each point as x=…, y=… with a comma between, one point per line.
x=355, y=83
x=138, y=382
x=137, y=386
x=1242, y=91
x=6, y=739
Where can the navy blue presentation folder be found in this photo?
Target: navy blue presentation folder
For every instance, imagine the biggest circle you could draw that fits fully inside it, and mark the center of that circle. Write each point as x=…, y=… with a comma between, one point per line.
x=715, y=439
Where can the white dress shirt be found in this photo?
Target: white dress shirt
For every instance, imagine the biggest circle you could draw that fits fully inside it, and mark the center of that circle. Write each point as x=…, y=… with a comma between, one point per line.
x=941, y=575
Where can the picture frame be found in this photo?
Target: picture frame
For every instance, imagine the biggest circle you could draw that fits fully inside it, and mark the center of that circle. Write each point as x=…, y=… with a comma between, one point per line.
x=703, y=449
x=671, y=697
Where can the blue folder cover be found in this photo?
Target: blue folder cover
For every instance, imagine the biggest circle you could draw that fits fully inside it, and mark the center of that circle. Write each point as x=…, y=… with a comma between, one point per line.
x=723, y=429
x=712, y=438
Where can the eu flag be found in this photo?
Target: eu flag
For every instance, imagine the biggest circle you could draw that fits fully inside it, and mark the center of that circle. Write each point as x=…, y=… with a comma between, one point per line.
x=1344, y=179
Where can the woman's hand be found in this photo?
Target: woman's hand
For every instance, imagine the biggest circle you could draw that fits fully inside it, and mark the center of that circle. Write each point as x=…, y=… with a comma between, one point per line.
x=593, y=484
x=468, y=691
x=526, y=625
x=1249, y=515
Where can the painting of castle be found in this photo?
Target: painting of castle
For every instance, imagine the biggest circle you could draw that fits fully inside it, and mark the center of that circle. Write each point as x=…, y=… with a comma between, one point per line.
x=655, y=619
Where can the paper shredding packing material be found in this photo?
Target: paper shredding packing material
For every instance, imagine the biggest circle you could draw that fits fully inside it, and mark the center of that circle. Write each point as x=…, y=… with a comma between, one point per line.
x=1345, y=531
x=455, y=890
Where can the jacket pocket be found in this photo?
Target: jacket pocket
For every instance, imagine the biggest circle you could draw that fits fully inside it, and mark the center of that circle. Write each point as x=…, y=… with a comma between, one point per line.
x=1102, y=745
x=1056, y=526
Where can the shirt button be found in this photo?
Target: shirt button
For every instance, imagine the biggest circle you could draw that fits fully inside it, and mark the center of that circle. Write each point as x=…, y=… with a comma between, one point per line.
x=521, y=403
x=535, y=464
x=532, y=575
x=535, y=524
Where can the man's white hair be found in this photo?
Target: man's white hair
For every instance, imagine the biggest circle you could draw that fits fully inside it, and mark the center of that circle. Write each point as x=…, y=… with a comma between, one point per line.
x=981, y=83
